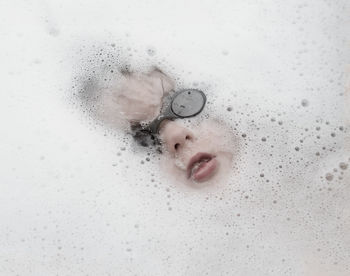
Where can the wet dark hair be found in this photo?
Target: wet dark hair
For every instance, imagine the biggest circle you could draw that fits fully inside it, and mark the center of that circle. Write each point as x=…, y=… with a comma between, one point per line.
x=144, y=137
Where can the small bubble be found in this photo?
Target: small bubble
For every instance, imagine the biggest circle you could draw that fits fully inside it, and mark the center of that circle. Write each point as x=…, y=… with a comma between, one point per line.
x=244, y=135
x=297, y=148
x=305, y=103
x=329, y=176
x=229, y=108
x=54, y=31
x=263, y=139
x=343, y=165
x=261, y=175
x=151, y=51
x=333, y=134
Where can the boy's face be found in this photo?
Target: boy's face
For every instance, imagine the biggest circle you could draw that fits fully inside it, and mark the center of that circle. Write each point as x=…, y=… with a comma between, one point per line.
x=199, y=156
x=196, y=156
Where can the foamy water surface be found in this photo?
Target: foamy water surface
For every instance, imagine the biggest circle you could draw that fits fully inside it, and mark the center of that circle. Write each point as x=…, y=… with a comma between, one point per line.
x=78, y=198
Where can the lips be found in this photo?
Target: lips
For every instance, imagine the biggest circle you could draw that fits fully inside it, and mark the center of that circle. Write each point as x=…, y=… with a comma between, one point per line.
x=202, y=166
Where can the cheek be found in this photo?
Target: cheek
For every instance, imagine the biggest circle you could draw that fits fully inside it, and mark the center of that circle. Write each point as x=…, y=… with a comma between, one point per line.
x=205, y=143
x=172, y=168
x=166, y=145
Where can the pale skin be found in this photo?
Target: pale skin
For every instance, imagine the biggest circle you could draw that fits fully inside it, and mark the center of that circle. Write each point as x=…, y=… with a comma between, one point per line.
x=197, y=156
x=183, y=145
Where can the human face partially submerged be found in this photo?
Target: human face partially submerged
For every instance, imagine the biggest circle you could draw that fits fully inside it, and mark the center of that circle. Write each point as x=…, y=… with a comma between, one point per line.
x=200, y=156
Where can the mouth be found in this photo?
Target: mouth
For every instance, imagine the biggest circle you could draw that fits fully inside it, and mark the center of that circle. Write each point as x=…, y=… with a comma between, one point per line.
x=202, y=166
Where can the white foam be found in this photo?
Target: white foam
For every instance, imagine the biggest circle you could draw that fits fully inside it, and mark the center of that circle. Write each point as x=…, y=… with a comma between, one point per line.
x=79, y=198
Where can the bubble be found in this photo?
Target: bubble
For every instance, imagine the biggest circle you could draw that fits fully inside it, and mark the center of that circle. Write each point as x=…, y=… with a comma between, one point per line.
x=305, y=103
x=151, y=51
x=329, y=176
x=297, y=148
x=229, y=108
x=225, y=52
x=263, y=139
x=54, y=32
x=343, y=165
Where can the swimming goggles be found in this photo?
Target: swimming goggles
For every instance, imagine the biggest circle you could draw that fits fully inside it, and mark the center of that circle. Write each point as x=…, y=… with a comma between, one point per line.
x=184, y=104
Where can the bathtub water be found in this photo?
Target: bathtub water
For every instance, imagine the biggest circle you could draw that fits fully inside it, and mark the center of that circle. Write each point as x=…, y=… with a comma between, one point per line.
x=77, y=196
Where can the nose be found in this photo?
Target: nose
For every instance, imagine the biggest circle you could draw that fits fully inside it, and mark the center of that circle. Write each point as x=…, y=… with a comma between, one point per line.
x=174, y=136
